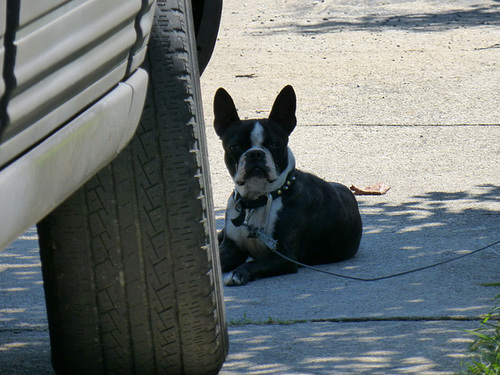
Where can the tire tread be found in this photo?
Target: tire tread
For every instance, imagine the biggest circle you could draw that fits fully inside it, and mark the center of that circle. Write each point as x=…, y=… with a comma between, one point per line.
x=151, y=284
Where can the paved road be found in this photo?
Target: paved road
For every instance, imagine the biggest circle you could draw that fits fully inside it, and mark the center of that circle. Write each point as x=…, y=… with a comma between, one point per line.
x=404, y=92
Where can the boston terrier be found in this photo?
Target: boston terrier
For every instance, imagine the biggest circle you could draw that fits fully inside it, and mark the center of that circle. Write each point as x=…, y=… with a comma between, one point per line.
x=274, y=205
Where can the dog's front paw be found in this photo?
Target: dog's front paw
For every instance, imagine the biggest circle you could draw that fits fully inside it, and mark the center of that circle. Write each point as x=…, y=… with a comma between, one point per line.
x=236, y=278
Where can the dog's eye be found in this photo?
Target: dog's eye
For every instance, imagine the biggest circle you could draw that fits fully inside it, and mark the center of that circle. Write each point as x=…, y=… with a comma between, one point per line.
x=273, y=145
x=234, y=148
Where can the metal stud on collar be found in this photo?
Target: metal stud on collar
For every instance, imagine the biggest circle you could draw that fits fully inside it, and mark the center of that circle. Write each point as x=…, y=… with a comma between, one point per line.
x=286, y=186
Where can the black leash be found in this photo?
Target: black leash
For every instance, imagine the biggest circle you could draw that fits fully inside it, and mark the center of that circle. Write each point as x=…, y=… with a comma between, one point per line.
x=271, y=243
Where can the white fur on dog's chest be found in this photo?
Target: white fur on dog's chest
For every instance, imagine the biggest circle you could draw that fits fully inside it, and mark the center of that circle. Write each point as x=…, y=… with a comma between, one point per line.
x=255, y=218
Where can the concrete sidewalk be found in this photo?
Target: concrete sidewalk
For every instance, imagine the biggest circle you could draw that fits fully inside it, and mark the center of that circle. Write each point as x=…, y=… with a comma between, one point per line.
x=402, y=92
x=355, y=62
x=407, y=93
x=444, y=202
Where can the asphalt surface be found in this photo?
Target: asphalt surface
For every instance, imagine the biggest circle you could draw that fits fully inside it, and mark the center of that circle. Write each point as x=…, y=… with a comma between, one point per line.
x=401, y=92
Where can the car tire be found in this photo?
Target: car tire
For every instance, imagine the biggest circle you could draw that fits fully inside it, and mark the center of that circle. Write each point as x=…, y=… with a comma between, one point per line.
x=130, y=261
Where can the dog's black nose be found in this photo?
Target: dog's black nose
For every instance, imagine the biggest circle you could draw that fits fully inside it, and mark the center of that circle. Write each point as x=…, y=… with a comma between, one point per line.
x=256, y=155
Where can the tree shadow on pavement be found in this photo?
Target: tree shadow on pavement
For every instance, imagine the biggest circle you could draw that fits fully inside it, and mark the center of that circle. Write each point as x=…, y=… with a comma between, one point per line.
x=310, y=323
x=378, y=348
x=24, y=337
x=433, y=225
x=428, y=227
x=386, y=17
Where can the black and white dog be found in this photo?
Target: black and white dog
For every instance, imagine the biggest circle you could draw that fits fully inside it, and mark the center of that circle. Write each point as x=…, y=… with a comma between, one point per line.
x=308, y=219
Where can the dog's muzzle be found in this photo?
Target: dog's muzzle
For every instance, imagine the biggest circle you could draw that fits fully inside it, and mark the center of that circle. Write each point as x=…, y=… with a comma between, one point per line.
x=254, y=164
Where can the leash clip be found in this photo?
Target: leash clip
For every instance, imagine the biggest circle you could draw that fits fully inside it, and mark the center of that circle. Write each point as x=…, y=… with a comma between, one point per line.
x=262, y=236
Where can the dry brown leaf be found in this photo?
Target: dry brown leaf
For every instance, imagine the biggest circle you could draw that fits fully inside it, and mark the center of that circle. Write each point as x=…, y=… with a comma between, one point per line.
x=377, y=189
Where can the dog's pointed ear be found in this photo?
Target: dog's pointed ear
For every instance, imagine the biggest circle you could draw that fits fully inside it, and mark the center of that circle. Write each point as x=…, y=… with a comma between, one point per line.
x=225, y=112
x=283, y=111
